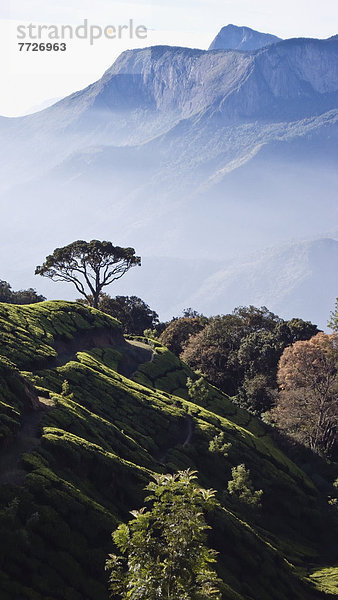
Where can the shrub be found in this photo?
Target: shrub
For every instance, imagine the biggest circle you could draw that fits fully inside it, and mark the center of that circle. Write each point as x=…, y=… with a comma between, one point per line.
x=219, y=445
x=241, y=487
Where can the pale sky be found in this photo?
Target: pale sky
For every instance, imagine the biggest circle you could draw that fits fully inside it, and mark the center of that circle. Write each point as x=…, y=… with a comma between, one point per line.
x=31, y=78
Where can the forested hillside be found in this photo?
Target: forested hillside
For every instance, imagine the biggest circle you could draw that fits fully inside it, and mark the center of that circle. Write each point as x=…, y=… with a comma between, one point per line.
x=87, y=417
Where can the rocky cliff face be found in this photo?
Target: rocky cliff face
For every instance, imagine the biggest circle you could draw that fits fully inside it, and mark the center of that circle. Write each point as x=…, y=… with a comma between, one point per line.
x=185, y=81
x=152, y=91
x=147, y=92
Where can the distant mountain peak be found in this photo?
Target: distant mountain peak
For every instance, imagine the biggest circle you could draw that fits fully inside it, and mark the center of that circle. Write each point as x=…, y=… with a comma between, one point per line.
x=232, y=37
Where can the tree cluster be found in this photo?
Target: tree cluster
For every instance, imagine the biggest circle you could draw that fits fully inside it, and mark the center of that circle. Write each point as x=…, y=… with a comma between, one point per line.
x=178, y=332
x=28, y=296
x=134, y=314
x=238, y=352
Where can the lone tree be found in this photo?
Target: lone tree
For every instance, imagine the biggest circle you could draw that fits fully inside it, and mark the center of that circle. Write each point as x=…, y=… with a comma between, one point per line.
x=163, y=549
x=90, y=266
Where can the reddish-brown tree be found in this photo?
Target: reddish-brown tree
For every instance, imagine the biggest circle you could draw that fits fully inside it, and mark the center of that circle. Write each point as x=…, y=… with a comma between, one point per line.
x=177, y=333
x=307, y=407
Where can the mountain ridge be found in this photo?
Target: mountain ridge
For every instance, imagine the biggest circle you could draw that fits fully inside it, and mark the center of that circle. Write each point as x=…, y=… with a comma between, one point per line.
x=198, y=140
x=141, y=61
x=234, y=90
x=234, y=37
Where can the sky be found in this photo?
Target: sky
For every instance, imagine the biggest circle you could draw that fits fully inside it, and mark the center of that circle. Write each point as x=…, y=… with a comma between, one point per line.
x=30, y=80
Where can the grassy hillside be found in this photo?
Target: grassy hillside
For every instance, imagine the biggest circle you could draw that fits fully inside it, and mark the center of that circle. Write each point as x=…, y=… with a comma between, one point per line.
x=85, y=419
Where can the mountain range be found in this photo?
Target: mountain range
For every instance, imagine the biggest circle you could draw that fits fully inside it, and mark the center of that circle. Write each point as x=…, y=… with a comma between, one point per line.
x=205, y=155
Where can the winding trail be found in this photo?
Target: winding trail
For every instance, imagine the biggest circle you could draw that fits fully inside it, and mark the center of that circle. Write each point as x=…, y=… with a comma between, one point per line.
x=190, y=430
x=28, y=438
x=183, y=439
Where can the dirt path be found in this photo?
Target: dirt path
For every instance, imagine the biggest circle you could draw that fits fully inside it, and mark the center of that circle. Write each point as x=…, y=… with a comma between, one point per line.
x=27, y=439
x=190, y=430
x=183, y=439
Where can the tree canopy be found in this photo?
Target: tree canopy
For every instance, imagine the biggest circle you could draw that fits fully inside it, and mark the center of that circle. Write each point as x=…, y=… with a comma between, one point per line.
x=177, y=333
x=163, y=549
x=89, y=266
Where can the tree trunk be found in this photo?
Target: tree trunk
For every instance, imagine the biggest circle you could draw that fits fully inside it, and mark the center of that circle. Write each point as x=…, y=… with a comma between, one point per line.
x=96, y=300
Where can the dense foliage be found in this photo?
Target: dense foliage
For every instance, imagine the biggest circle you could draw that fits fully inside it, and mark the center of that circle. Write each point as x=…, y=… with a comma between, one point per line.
x=241, y=487
x=177, y=333
x=240, y=352
x=132, y=312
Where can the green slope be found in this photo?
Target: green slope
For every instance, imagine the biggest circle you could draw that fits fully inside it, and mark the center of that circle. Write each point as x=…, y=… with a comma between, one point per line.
x=86, y=418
